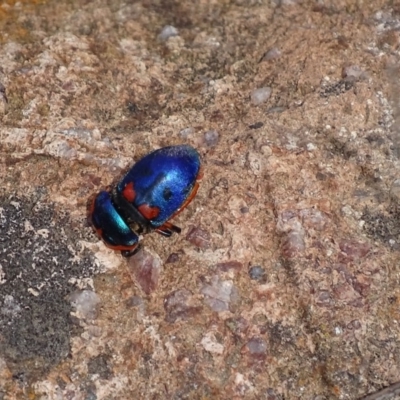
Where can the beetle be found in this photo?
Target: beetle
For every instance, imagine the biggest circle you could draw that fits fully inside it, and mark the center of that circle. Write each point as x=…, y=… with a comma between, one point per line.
x=157, y=188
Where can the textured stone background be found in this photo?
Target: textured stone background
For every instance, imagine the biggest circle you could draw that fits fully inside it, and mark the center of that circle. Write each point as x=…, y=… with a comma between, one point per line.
x=284, y=283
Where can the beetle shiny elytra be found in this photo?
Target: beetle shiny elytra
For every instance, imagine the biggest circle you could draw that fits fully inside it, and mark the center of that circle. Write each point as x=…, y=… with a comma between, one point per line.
x=155, y=189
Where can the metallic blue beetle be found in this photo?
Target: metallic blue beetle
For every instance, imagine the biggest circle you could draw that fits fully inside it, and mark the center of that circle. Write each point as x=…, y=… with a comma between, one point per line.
x=156, y=188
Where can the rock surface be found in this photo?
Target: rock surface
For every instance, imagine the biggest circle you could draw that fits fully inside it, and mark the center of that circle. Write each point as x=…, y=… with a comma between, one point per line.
x=284, y=283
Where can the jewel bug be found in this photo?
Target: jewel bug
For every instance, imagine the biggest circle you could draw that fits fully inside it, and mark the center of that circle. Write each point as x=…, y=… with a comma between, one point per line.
x=157, y=188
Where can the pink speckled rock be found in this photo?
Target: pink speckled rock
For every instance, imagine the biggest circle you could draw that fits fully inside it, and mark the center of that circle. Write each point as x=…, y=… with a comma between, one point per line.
x=199, y=237
x=179, y=304
x=144, y=268
x=353, y=250
x=219, y=294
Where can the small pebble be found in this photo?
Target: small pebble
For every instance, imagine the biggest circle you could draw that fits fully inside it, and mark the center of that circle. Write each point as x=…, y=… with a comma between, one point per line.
x=167, y=32
x=185, y=133
x=219, y=294
x=256, y=346
x=85, y=303
x=276, y=110
x=261, y=95
x=210, y=344
x=145, y=268
x=199, y=237
x=256, y=272
x=271, y=54
x=293, y=243
x=211, y=138
x=352, y=71
x=311, y=147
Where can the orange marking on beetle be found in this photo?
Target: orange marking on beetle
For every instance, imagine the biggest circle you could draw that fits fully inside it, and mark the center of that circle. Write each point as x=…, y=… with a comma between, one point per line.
x=148, y=212
x=200, y=174
x=129, y=192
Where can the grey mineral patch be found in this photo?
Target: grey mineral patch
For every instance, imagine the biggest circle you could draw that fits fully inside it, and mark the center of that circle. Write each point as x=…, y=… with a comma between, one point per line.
x=383, y=226
x=101, y=366
x=85, y=303
x=167, y=32
x=38, y=258
x=261, y=95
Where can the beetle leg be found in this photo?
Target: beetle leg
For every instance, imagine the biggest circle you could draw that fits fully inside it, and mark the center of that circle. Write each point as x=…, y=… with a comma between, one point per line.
x=130, y=253
x=167, y=229
x=164, y=232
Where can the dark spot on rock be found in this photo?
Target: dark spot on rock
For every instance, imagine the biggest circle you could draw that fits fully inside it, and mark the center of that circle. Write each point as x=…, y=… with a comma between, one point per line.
x=100, y=365
x=132, y=107
x=337, y=88
x=256, y=125
x=91, y=394
x=320, y=176
x=38, y=261
x=383, y=226
x=257, y=273
x=229, y=265
x=172, y=258
x=134, y=301
x=217, y=116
